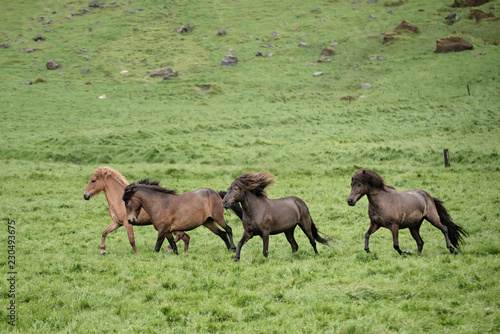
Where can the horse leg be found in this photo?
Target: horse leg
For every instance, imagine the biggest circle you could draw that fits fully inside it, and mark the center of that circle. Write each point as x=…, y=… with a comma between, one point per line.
x=159, y=241
x=291, y=239
x=130, y=233
x=246, y=236
x=434, y=220
x=265, y=243
x=416, y=235
x=114, y=225
x=172, y=243
x=372, y=229
x=309, y=235
x=210, y=224
x=219, y=219
x=186, y=238
x=180, y=236
x=395, y=238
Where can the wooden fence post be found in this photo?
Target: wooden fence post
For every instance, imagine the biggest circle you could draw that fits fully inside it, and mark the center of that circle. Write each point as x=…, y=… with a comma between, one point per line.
x=446, y=158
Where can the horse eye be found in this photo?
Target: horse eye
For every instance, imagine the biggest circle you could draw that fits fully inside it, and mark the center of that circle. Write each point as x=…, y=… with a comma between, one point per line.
x=93, y=181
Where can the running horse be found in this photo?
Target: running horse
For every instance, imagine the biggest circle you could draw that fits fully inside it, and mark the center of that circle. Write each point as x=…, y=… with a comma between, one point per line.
x=113, y=184
x=171, y=212
x=264, y=216
x=397, y=210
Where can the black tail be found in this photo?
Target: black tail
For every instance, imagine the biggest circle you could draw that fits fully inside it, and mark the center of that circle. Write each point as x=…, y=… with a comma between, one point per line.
x=316, y=235
x=455, y=232
x=235, y=207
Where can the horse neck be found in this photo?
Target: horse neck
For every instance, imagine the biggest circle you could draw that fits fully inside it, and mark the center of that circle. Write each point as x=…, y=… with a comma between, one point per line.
x=376, y=196
x=114, y=192
x=151, y=199
x=249, y=203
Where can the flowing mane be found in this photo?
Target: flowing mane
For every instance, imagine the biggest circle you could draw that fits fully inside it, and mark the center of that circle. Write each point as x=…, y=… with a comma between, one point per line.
x=371, y=178
x=104, y=172
x=144, y=184
x=255, y=182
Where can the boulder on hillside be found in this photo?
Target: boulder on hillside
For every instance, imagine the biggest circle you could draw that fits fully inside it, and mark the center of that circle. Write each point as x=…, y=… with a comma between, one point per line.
x=95, y=4
x=184, y=29
x=327, y=51
x=167, y=73
x=39, y=37
x=387, y=38
x=53, y=65
x=393, y=3
x=229, y=60
x=221, y=32
x=404, y=25
x=469, y=3
x=452, y=44
x=478, y=14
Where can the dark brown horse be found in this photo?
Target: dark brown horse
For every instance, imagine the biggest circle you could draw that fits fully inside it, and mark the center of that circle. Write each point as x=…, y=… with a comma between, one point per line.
x=172, y=212
x=397, y=210
x=113, y=184
x=264, y=216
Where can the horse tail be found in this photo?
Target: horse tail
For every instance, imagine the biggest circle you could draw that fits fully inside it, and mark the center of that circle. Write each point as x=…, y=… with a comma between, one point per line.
x=316, y=235
x=455, y=232
x=235, y=207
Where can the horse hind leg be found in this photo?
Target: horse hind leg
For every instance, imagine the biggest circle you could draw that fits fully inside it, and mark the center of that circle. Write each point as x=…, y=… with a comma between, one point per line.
x=435, y=221
x=308, y=233
x=416, y=235
x=210, y=224
x=291, y=240
x=219, y=219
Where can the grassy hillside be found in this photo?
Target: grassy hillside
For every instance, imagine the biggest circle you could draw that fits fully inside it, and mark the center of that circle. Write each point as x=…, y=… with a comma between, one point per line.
x=268, y=113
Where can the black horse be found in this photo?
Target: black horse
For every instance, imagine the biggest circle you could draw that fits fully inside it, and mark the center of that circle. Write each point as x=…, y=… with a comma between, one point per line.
x=264, y=216
x=396, y=210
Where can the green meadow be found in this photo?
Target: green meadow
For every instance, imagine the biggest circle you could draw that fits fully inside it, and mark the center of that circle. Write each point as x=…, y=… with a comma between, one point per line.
x=209, y=125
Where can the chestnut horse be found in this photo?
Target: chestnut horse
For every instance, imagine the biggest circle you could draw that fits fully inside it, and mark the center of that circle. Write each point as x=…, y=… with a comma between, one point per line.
x=113, y=184
x=397, y=210
x=172, y=212
x=264, y=216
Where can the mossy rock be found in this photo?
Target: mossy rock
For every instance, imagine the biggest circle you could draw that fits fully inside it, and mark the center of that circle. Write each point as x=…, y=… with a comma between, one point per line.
x=326, y=51
x=404, y=25
x=452, y=44
x=469, y=3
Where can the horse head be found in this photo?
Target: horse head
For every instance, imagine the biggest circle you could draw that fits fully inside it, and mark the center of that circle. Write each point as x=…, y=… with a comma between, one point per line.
x=132, y=204
x=234, y=194
x=362, y=183
x=96, y=184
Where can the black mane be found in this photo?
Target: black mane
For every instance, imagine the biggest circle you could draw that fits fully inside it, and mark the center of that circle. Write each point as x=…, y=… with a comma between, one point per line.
x=148, y=182
x=371, y=178
x=255, y=182
x=144, y=184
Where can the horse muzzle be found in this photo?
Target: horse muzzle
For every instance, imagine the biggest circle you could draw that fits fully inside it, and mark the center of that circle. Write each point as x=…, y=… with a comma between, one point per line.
x=351, y=202
x=226, y=204
x=87, y=196
x=132, y=221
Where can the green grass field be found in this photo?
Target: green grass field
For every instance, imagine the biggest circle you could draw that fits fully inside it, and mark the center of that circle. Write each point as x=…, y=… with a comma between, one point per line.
x=211, y=124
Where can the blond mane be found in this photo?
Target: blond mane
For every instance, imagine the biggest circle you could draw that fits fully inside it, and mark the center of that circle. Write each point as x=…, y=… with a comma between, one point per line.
x=105, y=172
